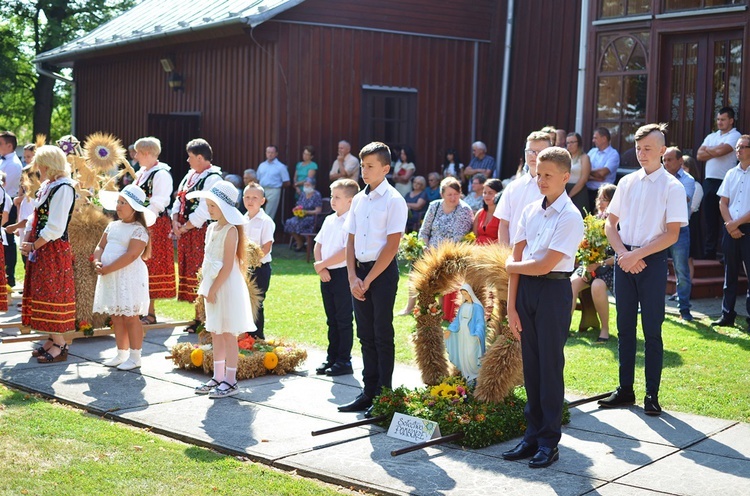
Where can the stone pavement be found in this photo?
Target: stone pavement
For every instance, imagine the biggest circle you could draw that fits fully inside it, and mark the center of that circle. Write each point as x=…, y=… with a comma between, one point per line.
x=608, y=452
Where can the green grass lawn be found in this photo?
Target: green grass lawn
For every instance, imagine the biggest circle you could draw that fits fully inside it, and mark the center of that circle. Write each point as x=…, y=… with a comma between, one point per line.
x=49, y=448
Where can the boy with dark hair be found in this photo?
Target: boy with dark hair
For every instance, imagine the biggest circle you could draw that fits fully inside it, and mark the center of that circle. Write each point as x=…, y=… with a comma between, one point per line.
x=375, y=226
x=330, y=264
x=539, y=302
x=649, y=207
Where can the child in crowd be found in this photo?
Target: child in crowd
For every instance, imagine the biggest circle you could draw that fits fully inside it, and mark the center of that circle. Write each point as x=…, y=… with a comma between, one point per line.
x=330, y=264
x=5, y=204
x=223, y=286
x=539, y=301
x=375, y=225
x=259, y=229
x=122, y=285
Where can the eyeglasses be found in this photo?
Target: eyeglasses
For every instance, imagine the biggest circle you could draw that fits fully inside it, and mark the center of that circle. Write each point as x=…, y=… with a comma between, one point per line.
x=571, y=142
x=531, y=152
x=741, y=147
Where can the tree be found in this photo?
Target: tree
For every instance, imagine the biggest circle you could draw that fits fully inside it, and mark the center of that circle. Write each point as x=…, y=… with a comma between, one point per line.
x=36, y=27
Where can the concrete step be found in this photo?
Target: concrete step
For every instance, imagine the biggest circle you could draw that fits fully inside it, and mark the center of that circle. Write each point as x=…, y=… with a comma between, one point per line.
x=706, y=287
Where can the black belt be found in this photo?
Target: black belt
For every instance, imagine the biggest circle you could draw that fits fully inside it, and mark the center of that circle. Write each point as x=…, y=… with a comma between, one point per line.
x=631, y=247
x=555, y=275
x=364, y=265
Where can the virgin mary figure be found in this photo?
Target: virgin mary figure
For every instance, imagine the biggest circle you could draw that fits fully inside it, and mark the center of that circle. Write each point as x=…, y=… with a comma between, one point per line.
x=465, y=337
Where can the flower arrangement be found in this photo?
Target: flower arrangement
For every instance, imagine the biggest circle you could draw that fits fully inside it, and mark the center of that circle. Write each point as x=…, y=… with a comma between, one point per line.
x=298, y=211
x=470, y=237
x=257, y=357
x=85, y=327
x=411, y=247
x=432, y=309
x=593, y=247
x=452, y=405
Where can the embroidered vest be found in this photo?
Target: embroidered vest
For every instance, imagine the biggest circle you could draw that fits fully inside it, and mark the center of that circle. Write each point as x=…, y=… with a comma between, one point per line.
x=148, y=186
x=42, y=212
x=190, y=205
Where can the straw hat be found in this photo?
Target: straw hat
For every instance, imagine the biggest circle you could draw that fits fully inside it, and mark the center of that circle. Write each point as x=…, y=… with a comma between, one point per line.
x=223, y=194
x=135, y=197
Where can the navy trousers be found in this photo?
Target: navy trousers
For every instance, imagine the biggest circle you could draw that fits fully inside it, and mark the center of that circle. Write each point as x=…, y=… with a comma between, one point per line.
x=337, y=302
x=543, y=307
x=647, y=289
x=374, y=318
x=262, y=278
x=736, y=252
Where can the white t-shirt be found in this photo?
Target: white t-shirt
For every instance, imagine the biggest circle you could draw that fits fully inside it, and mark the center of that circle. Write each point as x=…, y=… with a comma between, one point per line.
x=332, y=237
x=717, y=168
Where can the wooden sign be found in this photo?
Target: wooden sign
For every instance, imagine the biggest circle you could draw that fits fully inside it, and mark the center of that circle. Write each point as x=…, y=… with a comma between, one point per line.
x=413, y=429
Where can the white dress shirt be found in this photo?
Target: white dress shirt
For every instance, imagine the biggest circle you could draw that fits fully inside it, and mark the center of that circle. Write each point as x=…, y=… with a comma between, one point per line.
x=272, y=174
x=736, y=188
x=201, y=215
x=519, y=193
x=646, y=203
x=59, y=207
x=12, y=166
x=332, y=237
x=259, y=230
x=163, y=186
x=351, y=166
x=717, y=168
x=559, y=227
x=374, y=216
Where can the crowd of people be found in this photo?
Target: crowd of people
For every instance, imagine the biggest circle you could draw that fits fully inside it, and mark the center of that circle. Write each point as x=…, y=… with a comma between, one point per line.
x=649, y=216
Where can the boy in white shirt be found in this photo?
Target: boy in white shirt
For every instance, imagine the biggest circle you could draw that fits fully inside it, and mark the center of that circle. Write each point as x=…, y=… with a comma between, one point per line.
x=259, y=230
x=375, y=225
x=539, y=301
x=330, y=264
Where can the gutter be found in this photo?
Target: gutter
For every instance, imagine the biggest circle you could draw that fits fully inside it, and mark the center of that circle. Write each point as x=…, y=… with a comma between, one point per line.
x=69, y=81
x=583, y=48
x=506, y=83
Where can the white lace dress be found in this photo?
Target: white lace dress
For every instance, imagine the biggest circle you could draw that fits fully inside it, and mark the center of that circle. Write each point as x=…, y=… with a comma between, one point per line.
x=125, y=291
x=231, y=312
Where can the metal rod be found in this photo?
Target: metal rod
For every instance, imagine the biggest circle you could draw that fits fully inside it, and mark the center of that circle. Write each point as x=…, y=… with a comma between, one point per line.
x=342, y=427
x=438, y=440
x=588, y=400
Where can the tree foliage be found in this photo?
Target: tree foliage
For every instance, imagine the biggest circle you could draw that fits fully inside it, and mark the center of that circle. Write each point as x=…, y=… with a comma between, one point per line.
x=30, y=103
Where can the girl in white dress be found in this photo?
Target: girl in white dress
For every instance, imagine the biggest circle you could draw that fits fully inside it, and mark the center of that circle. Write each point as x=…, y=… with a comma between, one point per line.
x=223, y=286
x=122, y=285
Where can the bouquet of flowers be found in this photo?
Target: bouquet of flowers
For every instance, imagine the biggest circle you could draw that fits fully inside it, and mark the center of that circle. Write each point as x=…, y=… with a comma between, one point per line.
x=411, y=247
x=298, y=211
x=593, y=247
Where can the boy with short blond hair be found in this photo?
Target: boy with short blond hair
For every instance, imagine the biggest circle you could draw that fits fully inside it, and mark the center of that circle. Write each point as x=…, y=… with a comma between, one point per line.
x=375, y=226
x=259, y=230
x=330, y=264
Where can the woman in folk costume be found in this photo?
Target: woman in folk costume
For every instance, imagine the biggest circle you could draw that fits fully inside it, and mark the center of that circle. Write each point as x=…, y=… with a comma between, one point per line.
x=156, y=181
x=49, y=299
x=190, y=217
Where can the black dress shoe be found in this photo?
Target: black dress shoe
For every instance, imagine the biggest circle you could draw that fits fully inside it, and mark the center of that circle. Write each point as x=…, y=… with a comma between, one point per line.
x=620, y=397
x=545, y=457
x=368, y=412
x=339, y=369
x=651, y=405
x=322, y=369
x=523, y=450
x=360, y=404
x=724, y=321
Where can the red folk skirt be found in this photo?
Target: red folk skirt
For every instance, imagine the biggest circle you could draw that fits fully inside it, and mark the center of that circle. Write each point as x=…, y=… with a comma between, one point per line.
x=189, y=260
x=161, y=283
x=3, y=283
x=49, y=293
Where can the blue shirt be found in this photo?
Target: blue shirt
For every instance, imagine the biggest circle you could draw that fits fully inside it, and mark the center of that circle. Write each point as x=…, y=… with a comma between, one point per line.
x=688, y=182
x=608, y=158
x=486, y=163
x=273, y=174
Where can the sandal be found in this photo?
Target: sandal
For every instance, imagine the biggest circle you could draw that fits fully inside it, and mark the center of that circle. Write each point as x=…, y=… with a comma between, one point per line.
x=231, y=390
x=46, y=357
x=149, y=319
x=40, y=350
x=207, y=387
x=601, y=340
x=192, y=328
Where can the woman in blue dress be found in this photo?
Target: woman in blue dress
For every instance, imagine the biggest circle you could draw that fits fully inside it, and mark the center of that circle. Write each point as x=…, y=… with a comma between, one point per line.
x=309, y=204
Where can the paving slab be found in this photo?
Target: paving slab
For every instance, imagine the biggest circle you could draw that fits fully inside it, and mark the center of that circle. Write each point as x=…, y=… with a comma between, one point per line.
x=12, y=362
x=261, y=432
x=615, y=489
x=733, y=442
x=436, y=470
x=671, y=428
x=691, y=473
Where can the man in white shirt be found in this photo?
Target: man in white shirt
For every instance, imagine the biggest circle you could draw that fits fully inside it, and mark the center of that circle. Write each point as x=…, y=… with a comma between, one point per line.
x=346, y=165
x=604, y=163
x=649, y=208
x=11, y=165
x=273, y=176
x=735, y=210
x=717, y=151
x=521, y=192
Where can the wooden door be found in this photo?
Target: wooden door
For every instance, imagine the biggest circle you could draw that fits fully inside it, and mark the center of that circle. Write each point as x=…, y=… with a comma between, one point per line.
x=701, y=74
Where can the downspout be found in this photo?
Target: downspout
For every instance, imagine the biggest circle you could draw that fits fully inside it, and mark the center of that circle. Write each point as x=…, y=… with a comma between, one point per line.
x=69, y=81
x=504, y=90
x=583, y=48
x=474, y=84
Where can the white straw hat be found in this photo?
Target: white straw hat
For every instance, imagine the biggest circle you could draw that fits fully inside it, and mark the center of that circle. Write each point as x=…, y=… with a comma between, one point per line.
x=135, y=197
x=225, y=195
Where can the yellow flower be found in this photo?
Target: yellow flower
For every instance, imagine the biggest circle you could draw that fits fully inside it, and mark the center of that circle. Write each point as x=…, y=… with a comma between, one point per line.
x=196, y=357
x=270, y=361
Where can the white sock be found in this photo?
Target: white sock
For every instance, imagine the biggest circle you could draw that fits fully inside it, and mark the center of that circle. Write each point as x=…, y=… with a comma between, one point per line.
x=219, y=372
x=122, y=354
x=231, y=375
x=135, y=356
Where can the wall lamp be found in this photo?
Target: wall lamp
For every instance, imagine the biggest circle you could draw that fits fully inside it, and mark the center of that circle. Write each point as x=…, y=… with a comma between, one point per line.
x=175, y=80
